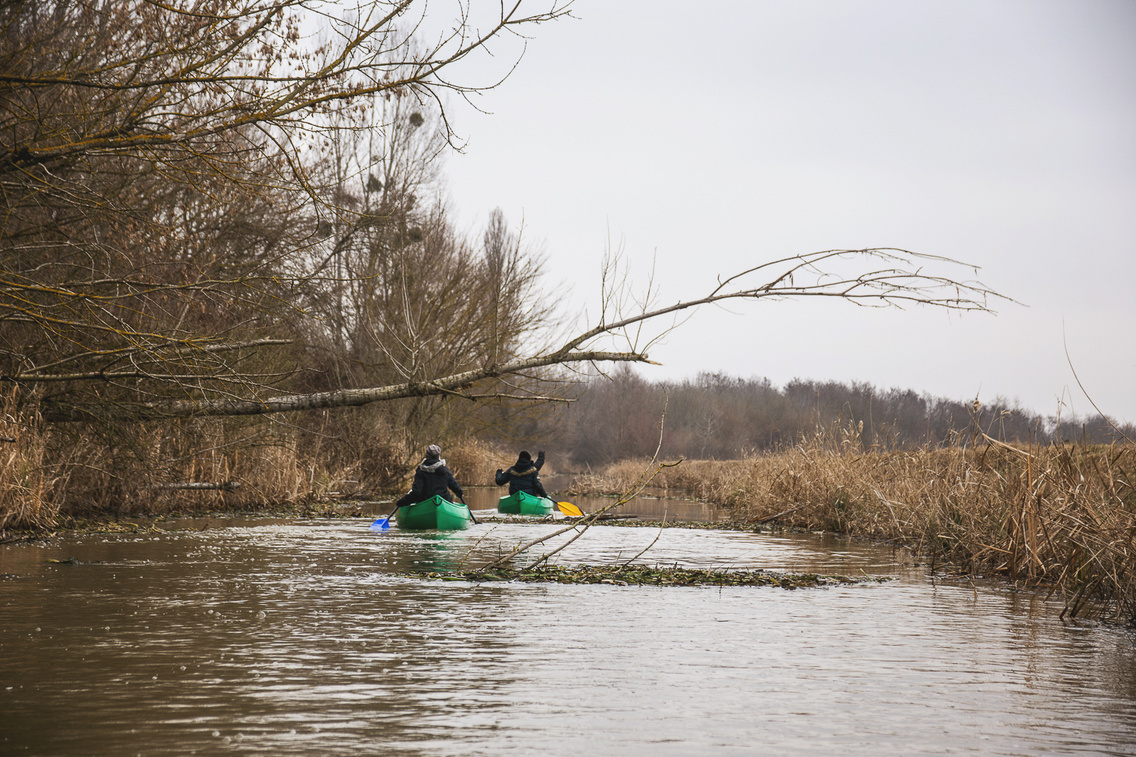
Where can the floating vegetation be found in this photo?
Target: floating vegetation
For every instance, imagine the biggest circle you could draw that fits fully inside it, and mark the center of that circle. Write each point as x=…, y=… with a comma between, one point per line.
x=639, y=575
x=107, y=526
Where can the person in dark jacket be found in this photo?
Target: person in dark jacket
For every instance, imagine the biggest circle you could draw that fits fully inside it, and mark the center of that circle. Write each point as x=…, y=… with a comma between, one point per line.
x=523, y=476
x=431, y=478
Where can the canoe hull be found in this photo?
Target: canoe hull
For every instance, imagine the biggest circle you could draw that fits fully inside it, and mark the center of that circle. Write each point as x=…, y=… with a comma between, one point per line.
x=434, y=514
x=523, y=503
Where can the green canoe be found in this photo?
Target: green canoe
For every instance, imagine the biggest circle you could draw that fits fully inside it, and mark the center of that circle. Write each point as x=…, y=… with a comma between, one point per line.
x=434, y=513
x=523, y=503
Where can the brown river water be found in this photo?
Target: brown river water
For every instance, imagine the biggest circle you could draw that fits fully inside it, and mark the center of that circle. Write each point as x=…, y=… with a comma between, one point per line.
x=301, y=637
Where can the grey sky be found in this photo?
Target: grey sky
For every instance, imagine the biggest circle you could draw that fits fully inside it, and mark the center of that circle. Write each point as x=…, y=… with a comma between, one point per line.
x=710, y=136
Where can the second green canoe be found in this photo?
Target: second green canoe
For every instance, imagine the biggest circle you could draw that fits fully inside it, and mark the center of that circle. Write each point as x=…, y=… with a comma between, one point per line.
x=435, y=513
x=523, y=503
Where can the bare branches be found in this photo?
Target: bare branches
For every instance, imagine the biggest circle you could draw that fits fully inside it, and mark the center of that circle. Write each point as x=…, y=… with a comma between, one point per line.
x=453, y=384
x=901, y=280
x=158, y=183
x=162, y=77
x=883, y=286
x=133, y=354
x=189, y=186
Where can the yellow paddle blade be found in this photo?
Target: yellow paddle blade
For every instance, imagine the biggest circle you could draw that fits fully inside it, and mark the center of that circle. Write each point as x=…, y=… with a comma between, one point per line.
x=569, y=509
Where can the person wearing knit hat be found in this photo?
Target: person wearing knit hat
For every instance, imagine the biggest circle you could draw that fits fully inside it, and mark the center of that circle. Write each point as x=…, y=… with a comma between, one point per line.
x=523, y=476
x=431, y=478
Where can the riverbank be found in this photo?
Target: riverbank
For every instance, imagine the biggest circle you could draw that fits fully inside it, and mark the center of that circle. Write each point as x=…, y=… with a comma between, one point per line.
x=1059, y=518
x=1056, y=518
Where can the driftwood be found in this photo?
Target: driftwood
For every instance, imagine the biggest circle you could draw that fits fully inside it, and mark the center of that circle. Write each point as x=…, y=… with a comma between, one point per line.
x=768, y=518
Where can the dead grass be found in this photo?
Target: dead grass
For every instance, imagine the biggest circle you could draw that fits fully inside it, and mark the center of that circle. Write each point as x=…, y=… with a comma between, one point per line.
x=25, y=482
x=1062, y=516
x=53, y=472
x=69, y=470
x=472, y=462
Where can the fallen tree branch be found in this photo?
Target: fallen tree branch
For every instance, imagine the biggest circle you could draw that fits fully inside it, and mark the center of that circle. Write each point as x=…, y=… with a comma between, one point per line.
x=228, y=486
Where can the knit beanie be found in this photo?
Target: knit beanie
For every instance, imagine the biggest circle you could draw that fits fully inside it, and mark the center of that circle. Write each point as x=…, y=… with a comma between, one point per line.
x=433, y=452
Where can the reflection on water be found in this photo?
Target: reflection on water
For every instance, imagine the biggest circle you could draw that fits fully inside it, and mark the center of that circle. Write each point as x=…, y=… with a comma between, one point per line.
x=302, y=638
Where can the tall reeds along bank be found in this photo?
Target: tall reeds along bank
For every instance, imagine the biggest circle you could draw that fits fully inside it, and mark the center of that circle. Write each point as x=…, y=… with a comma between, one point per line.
x=26, y=483
x=55, y=475
x=1061, y=518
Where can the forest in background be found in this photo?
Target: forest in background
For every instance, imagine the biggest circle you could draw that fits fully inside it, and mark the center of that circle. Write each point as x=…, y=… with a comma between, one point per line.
x=623, y=415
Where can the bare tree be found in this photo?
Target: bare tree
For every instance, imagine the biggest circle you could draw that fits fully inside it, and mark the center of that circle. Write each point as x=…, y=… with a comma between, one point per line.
x=163, y=223
x=407, y=298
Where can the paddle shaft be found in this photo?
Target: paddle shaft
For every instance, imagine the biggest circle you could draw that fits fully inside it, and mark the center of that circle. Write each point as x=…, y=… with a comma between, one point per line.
x=462, y=500
x=395, y=510
x=384, y=524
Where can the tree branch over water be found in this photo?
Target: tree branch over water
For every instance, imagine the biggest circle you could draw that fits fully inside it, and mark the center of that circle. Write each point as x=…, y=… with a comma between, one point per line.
x=893, y=277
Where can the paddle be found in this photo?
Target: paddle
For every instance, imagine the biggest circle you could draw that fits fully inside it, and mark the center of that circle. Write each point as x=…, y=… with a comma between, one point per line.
x=467, y=508
x=569, y=509
x=384, y=524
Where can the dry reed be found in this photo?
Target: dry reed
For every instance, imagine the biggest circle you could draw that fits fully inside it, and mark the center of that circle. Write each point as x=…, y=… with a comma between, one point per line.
x=1061, y=516
x=54, y=472
x=25, y=482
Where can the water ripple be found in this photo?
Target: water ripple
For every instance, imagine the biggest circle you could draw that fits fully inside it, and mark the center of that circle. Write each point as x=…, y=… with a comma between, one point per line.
x=304, y=638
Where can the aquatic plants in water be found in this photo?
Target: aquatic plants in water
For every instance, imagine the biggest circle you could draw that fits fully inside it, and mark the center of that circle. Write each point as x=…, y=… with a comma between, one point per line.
x=640, y=575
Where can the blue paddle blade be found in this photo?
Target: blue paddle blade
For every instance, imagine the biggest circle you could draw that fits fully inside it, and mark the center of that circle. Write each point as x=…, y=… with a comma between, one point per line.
x=382, y=524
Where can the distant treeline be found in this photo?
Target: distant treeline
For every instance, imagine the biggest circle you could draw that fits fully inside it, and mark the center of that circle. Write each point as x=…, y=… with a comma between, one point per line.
x=715, y=416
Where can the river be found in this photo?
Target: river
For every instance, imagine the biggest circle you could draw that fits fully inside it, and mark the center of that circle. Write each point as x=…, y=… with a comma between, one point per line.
x=303, y=637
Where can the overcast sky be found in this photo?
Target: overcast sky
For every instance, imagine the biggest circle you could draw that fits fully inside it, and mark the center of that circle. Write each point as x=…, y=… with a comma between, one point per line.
x=706, y=137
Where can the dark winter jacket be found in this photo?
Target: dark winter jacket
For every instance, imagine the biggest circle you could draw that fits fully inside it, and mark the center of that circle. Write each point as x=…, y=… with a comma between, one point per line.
x=431, y=478
x=522, y=477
